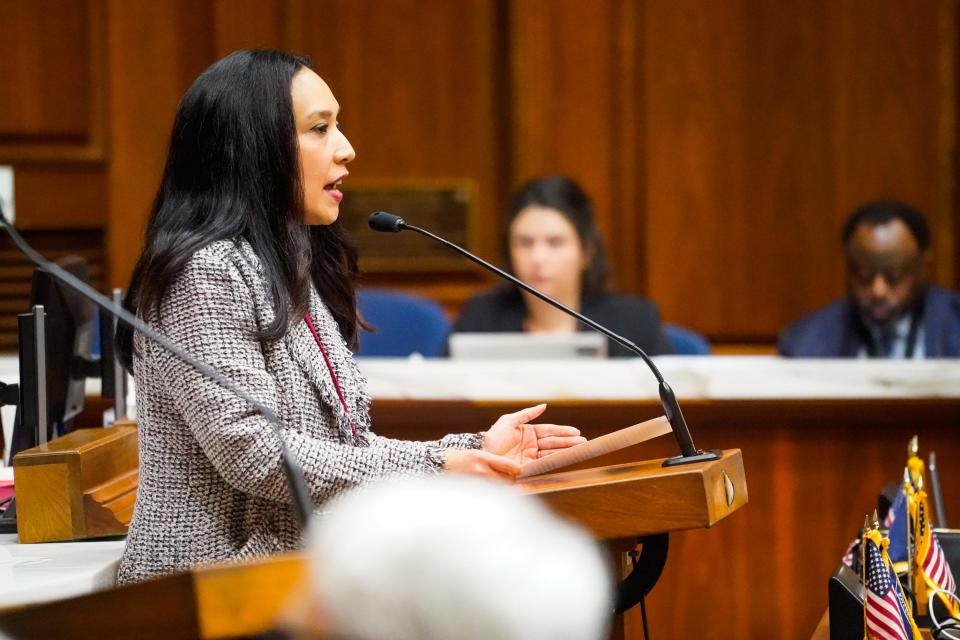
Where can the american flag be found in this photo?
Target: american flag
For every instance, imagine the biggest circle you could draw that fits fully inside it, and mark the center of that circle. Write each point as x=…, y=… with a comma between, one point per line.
x=934, y=562
x=887, y=617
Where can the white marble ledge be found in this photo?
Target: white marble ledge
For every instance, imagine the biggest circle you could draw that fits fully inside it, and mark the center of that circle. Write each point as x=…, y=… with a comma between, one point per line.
x=32, y=573
x=692, y=377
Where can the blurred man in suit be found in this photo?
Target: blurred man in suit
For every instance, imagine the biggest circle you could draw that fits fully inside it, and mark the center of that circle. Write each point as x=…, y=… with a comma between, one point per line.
x=890, y=311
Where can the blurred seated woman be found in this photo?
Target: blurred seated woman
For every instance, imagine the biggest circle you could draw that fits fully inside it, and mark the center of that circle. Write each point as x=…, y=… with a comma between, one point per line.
x=553, y=244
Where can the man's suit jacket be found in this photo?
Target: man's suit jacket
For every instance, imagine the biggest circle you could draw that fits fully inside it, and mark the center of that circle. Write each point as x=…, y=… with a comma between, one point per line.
x=832, y=332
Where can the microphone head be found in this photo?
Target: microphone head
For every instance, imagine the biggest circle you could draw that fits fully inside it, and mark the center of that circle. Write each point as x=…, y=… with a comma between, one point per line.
x=383, y=221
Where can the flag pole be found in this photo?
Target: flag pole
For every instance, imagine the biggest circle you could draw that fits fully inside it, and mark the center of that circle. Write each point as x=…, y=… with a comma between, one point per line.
x=909, y=516
x=863, y=571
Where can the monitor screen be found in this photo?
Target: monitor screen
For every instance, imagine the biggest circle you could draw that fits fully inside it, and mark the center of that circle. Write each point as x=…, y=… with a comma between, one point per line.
x=518, y=346
x=69, y=328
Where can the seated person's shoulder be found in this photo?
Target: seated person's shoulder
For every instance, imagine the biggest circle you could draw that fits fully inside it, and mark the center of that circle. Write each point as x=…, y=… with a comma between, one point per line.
x=948, y=298
x=806, y=336
x=623, y=305
x=942, y=312
x=635, y=318
x=490, y=310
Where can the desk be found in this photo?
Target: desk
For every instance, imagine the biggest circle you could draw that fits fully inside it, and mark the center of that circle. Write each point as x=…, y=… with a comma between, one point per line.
x=819, y=440
x=40, y=572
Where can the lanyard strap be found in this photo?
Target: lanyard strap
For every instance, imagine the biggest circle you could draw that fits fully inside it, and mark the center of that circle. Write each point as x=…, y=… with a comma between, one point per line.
x=333, y=376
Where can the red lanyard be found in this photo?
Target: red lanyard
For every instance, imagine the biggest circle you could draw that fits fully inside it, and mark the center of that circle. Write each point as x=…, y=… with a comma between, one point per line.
x=333, y=376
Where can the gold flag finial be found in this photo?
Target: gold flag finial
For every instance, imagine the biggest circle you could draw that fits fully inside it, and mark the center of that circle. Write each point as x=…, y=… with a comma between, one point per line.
x=914, y=447
x=866, y=523
x=876, y=520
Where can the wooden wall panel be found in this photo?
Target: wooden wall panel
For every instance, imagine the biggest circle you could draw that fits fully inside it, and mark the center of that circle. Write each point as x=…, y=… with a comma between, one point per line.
x=247, y=24
x=52, y=82
x=417, y=102
x=762, y=137
x=723, y=142
x=813, y=469
x=574, y=110
x=61, y=196
x=155, y=52
x=44, y=70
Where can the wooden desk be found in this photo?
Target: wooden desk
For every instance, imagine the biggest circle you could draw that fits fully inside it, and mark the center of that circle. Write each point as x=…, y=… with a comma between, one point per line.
x=817, y=449
x=819, y=439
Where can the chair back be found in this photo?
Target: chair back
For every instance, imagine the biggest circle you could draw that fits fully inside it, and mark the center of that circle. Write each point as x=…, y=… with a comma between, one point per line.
x=686, y=342
x=403, y=324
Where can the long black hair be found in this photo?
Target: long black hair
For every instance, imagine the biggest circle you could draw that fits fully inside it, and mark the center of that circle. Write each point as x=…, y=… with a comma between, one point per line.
x=565, y=196
x=233, y=172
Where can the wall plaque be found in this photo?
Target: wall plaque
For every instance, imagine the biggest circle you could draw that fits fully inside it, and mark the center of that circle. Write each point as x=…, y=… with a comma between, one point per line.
x=443, y=207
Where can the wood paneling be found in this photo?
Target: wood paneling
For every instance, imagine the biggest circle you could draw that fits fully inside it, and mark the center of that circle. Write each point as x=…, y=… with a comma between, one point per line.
x=51, y=81
x=247, y=24
x=417, y=101
x=764, y=134
x=813, y=470
x=574, y=110
x=723, y=143
x=44, y=71
x=61, y=196
x=155, y=52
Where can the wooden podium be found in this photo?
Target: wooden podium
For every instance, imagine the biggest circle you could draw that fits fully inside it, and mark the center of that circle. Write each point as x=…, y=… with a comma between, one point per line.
x=615, y=502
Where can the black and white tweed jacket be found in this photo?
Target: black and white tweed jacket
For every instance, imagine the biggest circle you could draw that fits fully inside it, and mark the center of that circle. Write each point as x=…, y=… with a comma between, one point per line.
x=211, y=486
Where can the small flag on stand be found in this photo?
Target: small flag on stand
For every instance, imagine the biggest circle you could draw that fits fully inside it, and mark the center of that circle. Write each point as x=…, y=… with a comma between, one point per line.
x=931, y=569
x=886, y=613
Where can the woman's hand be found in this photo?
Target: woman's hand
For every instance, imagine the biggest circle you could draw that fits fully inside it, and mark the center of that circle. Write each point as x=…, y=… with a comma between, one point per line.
x=482, y=463
x=512, y=437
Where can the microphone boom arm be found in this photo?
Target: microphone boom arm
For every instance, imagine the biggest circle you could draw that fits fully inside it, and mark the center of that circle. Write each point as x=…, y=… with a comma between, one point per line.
x=380, y=221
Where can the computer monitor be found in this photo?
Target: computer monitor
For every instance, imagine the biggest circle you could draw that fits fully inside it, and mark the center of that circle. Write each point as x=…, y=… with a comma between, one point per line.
x=53, y=385
x=529, y=346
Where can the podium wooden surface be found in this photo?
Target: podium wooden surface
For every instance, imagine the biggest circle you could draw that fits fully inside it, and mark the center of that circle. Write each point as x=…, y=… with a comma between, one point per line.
x=641, y=498
x=229, y=601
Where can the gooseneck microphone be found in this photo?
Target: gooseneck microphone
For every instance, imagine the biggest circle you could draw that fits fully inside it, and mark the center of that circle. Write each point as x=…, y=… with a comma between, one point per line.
x=387, y=222
x=303, y=505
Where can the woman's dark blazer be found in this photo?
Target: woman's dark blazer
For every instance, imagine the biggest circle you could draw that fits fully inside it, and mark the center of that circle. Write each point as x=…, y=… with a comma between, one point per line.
x=634, y=318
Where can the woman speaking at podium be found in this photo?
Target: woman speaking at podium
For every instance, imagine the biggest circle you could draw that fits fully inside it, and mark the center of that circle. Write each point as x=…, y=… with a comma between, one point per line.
x=245, y=267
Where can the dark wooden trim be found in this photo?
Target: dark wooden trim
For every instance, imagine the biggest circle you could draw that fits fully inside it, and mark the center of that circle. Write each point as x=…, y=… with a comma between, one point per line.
x=92, y=147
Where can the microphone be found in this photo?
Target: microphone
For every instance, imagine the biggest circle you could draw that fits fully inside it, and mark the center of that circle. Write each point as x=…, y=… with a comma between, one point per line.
x=303, y=505
x=387, y=222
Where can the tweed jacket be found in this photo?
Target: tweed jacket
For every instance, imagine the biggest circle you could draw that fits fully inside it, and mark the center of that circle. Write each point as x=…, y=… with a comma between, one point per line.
x=211, y=485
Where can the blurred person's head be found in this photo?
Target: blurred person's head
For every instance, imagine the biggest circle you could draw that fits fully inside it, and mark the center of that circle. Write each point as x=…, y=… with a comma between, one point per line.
x=887, y=246
x=455, y=558
x=553, y=241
